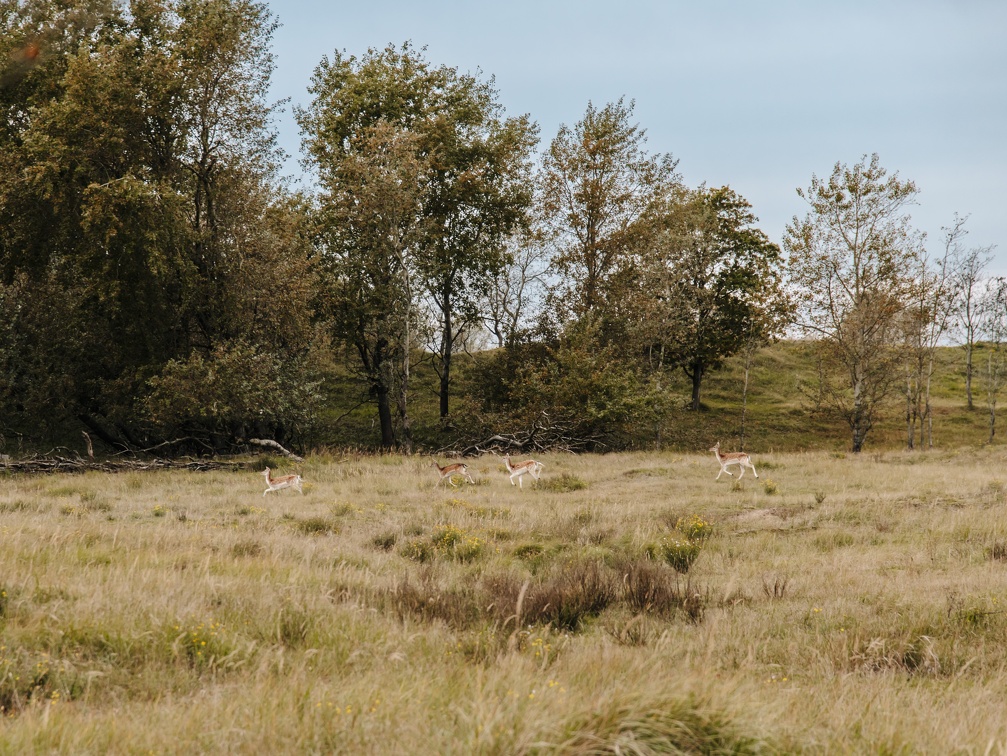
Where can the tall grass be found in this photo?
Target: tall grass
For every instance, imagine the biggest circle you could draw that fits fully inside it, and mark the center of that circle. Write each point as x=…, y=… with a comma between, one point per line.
x=860, y=607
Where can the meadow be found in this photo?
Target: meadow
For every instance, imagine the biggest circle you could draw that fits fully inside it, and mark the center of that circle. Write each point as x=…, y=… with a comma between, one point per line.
x=627, y=603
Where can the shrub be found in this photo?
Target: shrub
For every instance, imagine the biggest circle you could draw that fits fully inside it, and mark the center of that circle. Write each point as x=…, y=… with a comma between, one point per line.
x=694, y=527
x=316, y=526
x=571, y=595
x=648, y=587
x=417, y=549
x=680, y=553
x=384, y=541
x=246, y=549
x=659, y=726
x=563, y=483
x=453, y=543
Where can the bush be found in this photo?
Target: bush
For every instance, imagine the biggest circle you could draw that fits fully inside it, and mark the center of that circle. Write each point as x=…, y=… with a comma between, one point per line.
x=694, y=528
x=563, y=483
x=316, y=526
x=680, y=553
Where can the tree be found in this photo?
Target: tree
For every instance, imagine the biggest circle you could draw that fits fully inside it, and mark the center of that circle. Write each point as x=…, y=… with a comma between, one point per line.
x=968, y=283
x=370, y=225
x=598, y=187
x=137, y=197
x=518, y=289
x=712, y=283
x=927, y=318
x=476, y=176
x=852, y=260
x=991, y=324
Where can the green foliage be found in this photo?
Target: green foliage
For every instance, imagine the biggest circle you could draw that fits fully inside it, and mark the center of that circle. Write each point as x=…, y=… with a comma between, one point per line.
x=447, y=542
x=202, y=644
x=686, y=725
x=586, y=393
x=680, y=553
x=130, y=238
x=562, y=483
x=713, y=285
x=459, y=183
x=853, y=289
x=316, y=526
x=598, y=184
x=238, y=391
x=694, y=527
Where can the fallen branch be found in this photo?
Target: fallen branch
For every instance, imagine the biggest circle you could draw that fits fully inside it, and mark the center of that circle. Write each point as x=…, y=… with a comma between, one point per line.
x=269, y=443
x=59, y=464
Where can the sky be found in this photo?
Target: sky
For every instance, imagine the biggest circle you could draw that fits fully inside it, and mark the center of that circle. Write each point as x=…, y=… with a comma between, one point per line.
x=760, y=96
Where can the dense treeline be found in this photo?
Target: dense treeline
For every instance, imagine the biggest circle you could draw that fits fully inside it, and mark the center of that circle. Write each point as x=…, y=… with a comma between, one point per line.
x=161, y=288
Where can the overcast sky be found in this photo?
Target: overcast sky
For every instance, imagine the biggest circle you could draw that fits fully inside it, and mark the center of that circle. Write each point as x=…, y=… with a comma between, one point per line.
x=756, y=95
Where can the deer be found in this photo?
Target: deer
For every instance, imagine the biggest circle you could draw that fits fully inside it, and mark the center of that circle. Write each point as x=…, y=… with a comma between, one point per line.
x=284, y=481
x=449, y=471
x=529, y=466
x=741, y=459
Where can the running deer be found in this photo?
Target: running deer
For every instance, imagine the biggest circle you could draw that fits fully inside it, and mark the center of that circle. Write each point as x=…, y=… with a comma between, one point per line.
x=529, y=466
x=449, y=471
x=741, y=459
x=284, y=481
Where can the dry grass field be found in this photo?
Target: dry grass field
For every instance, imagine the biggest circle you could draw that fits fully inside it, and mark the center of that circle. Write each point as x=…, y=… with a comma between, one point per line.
x=626, y=604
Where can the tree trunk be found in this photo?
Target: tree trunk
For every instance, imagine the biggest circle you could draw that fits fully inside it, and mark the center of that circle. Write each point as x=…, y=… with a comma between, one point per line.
x=968, y=371
x=403, y=406
x=385, y=416
x=857, y=418
x=697, y=381
x=447, y=347
x=910, y=431
x=749, y=357
x=858, y=439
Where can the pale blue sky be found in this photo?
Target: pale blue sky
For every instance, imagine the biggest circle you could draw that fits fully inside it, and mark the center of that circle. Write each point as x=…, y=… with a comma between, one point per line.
x=757, y=95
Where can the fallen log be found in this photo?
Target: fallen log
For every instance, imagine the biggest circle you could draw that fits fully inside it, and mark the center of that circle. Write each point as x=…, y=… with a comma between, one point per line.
x=61, y=464
x=269, y=443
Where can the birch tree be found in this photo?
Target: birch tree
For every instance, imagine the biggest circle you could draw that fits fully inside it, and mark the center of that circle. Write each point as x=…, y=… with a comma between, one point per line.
x=852, y=260
x=968, y=286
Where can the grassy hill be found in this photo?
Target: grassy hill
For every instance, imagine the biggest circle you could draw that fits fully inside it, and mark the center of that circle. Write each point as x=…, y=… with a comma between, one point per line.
x=780, y=416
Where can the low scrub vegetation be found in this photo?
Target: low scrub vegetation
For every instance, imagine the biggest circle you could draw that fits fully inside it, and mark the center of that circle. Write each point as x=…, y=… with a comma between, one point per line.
x=645, y=613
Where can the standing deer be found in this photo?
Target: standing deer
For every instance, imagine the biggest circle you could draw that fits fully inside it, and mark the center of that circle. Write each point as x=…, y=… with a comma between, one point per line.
x=529, y=466
x=741, y=459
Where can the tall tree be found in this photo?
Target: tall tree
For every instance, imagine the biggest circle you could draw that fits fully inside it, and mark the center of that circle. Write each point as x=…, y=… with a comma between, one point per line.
x=991, y=324
x=926, y=319
x=477, y=169
x=968, y=285
x=852, y=259
x=136, y=191
x=712, y=283
x=598, y=186
x=370, y=226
